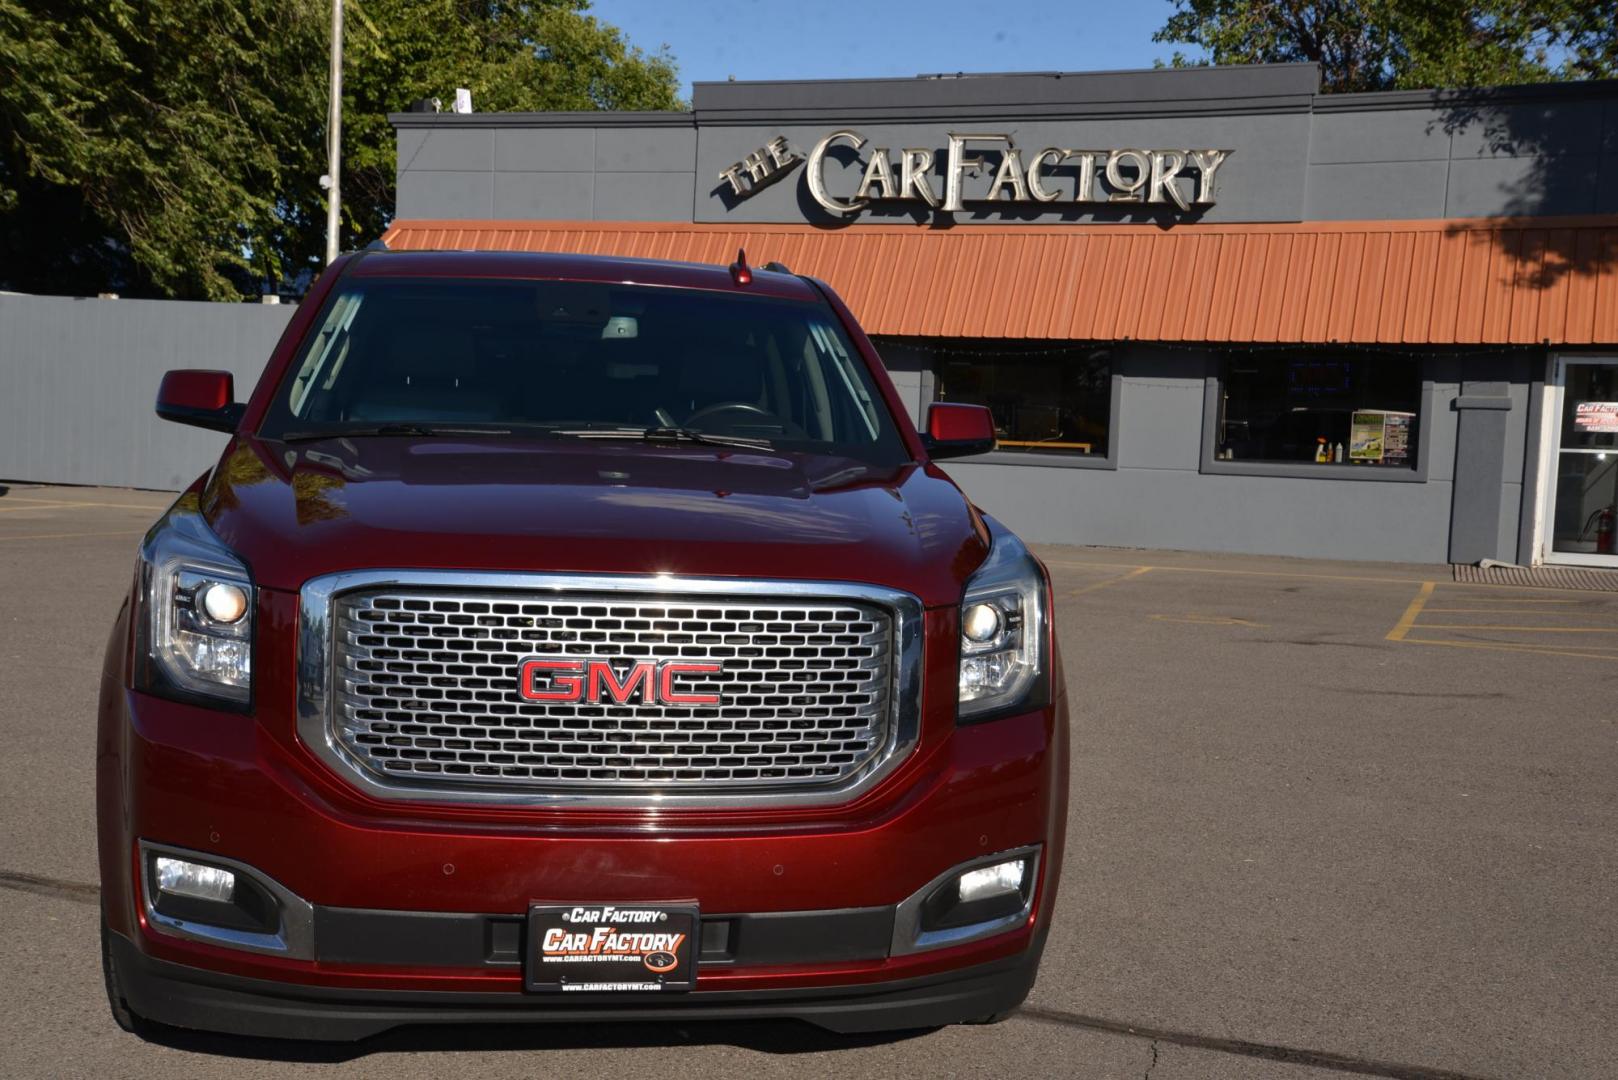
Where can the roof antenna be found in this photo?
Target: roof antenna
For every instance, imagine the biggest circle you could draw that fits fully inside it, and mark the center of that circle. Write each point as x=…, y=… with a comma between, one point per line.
x=740, y=272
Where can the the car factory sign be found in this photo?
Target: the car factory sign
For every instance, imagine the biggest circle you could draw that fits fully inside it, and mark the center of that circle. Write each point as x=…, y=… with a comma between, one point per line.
x=1180, y=178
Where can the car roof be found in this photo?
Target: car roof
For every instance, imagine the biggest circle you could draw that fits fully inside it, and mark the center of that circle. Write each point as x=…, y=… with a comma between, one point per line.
x=546, y=266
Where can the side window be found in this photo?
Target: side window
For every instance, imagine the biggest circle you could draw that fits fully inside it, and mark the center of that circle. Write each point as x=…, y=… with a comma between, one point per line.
x=327, y=351
x=842, y=374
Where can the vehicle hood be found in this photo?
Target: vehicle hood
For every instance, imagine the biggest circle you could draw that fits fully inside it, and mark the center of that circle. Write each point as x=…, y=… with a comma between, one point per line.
x=298, y=511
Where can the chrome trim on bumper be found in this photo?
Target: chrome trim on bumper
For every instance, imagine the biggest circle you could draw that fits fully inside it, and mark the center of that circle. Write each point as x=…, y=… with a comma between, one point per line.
x=316, y=669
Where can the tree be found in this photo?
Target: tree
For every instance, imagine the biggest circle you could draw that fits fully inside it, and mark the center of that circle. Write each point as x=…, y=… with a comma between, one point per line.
x=513, y=57
x=173, y=147
x=1406, y=44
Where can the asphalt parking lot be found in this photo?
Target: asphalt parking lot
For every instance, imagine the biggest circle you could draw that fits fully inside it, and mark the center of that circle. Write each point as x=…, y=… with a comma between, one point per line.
x=1328, y=820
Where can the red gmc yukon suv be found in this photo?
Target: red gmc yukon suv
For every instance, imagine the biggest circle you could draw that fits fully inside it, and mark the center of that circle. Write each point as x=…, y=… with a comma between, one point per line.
x=566, y=639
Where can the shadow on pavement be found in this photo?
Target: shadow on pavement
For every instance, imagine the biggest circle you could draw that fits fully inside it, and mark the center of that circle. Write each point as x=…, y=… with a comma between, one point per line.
x=763, y=1036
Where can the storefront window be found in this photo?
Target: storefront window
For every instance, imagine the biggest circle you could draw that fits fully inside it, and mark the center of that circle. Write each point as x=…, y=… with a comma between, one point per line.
x=1046, y=399
x=1324, y=409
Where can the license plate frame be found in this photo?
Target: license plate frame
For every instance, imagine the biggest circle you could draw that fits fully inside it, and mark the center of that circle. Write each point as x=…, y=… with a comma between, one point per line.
x=611, y=947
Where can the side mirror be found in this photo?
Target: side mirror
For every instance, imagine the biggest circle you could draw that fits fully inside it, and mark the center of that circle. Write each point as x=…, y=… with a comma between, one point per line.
x=958, y=430
x=205, y=399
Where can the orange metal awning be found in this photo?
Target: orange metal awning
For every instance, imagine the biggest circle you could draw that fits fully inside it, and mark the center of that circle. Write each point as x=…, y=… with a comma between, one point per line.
x=1457, y=282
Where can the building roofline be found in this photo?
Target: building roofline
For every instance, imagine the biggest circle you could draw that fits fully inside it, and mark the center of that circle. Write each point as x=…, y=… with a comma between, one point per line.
x=1521, y=93
x=601, y=118
x=1233, y=90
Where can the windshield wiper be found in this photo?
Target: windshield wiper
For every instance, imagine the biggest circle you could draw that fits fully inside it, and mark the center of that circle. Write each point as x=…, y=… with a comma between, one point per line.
x=390, y=429
x=664, y=433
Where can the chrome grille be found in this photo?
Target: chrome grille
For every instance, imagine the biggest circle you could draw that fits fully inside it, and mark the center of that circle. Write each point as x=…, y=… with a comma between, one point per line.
x=426, y=690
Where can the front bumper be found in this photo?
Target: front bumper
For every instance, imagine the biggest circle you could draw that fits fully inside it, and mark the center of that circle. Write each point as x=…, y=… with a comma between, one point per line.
x=236, y=787
x=174, y=994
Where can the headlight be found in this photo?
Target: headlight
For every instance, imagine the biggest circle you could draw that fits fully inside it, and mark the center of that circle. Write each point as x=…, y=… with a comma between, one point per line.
x=196, y=620
x=1003, y=633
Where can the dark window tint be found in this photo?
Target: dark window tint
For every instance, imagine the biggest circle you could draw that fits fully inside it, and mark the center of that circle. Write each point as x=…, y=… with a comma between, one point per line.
x=1303, y=408
x=1046, y=398
x=527, y=356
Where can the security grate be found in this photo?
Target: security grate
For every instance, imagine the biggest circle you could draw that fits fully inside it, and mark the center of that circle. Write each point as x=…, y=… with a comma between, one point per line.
x=1539, y=577
x=427, y=689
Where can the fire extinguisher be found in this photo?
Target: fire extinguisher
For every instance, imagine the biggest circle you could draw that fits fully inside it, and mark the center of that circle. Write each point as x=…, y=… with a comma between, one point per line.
x=1605, y=524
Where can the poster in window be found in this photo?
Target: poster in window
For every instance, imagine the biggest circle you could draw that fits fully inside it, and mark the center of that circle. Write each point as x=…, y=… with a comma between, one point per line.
x=1596, y=417
x=1396, y=438
x=1380, y=437
x=1365, y=437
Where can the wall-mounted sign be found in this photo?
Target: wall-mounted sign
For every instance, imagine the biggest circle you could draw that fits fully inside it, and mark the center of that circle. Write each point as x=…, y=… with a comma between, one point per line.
x=761, y=168
x=1179, y=178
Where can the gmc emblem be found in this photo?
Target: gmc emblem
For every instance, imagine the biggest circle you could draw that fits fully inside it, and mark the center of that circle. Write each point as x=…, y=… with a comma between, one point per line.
x=560, y=680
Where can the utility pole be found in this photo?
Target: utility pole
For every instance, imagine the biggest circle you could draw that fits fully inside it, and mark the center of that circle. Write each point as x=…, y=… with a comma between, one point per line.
x=334, y=133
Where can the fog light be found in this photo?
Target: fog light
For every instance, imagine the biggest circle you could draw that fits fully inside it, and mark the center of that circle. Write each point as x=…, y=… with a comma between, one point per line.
x=195, y=880
x=987, y=882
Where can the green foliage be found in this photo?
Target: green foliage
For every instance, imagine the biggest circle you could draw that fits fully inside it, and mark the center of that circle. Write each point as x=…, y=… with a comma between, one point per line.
x=1406, y=44
x=514, y=57
x=173, y=147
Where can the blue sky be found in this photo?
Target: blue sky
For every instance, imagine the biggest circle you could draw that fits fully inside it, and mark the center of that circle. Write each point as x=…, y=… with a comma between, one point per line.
x=804, y=39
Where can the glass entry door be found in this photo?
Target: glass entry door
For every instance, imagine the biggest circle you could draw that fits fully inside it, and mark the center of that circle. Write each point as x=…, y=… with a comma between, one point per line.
x=1583, y=525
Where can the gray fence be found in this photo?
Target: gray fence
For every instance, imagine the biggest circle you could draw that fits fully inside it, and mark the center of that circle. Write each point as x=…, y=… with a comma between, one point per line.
x=78, y=378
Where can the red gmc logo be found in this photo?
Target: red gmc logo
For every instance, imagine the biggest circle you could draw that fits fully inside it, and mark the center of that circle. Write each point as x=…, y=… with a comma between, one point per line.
x=561, y=680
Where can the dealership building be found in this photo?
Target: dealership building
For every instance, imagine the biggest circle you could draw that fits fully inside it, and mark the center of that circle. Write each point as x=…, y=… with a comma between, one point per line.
x=1211, y=309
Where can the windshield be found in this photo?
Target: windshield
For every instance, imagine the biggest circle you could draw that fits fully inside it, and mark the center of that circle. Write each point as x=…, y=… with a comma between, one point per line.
x=582, y=360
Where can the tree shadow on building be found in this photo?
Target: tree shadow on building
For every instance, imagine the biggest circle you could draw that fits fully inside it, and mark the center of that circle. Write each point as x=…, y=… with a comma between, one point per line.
x=1550, y=146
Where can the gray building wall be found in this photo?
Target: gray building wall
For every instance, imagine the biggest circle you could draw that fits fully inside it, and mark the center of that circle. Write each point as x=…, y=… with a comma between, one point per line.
x=1157, y=494
x=1297, y=155
x=1535, y=151
x=571, y=167
x=79, y=378
x=1519, y=152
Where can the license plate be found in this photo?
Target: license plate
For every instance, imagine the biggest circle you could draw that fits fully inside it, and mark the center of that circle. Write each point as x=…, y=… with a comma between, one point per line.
x=611, y=947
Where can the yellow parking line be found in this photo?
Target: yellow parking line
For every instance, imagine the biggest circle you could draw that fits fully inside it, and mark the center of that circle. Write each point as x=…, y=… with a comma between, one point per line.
x=1135, y=573
x=1502, y=611
x=1510, y=648
x=1583, y=644
x=1240, y=573
x=1208, y=620
x=1513, y=599
x=65, y=536
x=1361, y=578
x=1525, y=629
x=1408, y=619
x=54, y=504
x=34, y=506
